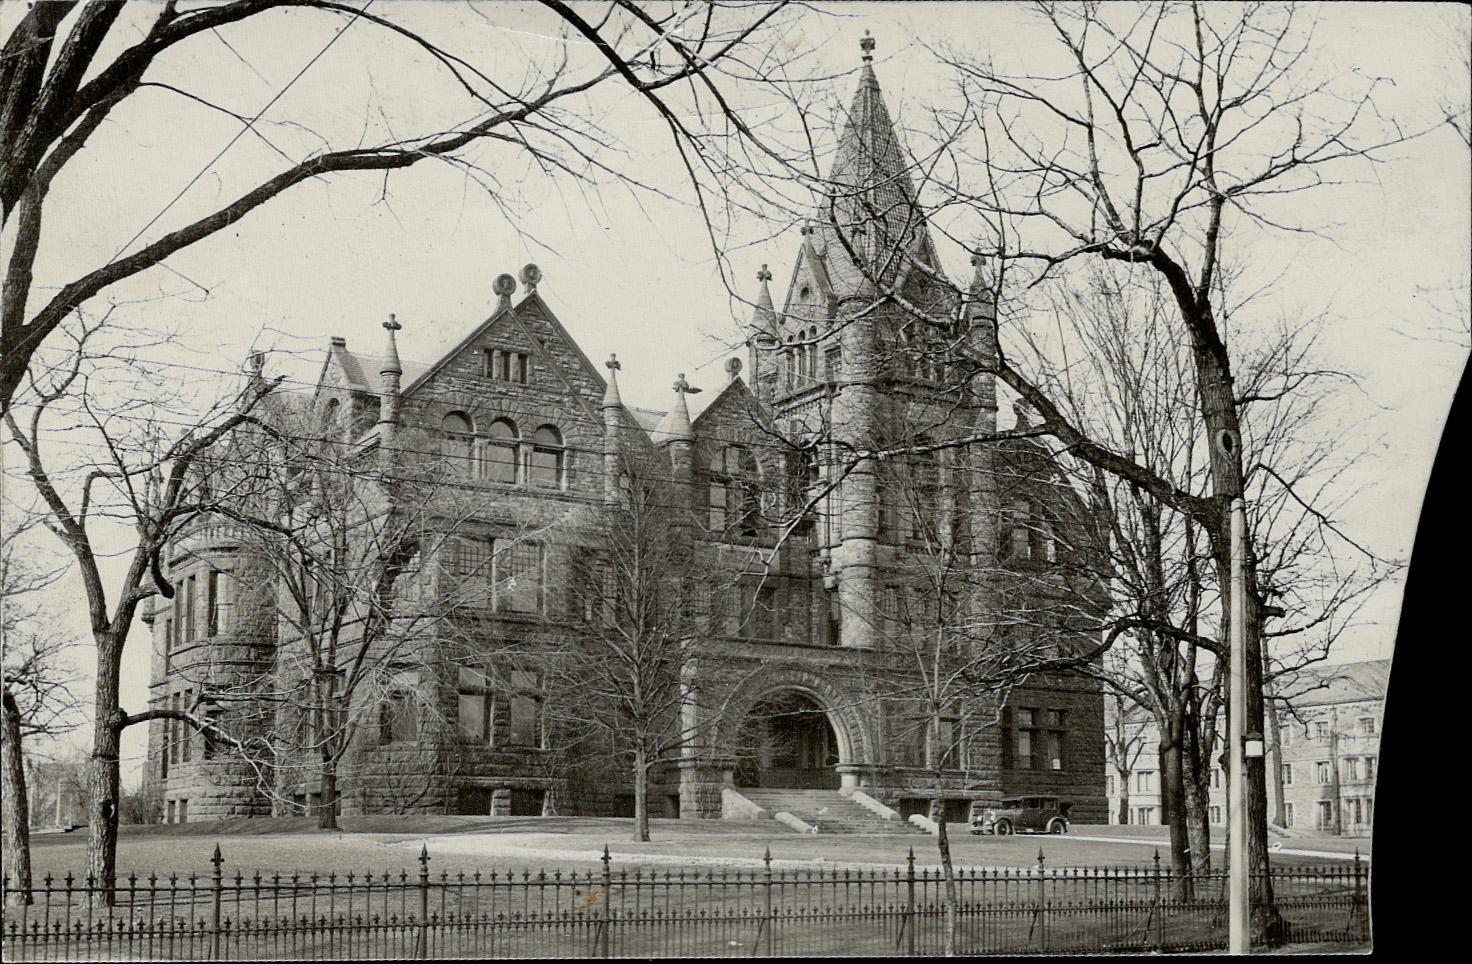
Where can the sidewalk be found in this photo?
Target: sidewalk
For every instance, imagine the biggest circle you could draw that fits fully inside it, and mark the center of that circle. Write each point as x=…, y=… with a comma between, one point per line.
x=1272, y=848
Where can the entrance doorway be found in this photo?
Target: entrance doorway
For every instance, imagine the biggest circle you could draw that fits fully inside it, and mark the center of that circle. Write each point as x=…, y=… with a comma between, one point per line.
x=788, y=741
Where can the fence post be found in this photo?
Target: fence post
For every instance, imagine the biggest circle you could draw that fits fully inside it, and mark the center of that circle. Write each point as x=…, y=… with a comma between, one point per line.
x=1155, y=906
x=910, y=904
x=216, y=886
x=767, y=887
x=1042, y=913
x=421, y=943
x=1357, y=913
x=602, y=949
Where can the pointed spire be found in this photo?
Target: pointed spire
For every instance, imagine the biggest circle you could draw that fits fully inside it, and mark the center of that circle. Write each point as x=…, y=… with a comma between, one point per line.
x=391, y=363
x=611, y=397
x=764, y=317
x=675, y=426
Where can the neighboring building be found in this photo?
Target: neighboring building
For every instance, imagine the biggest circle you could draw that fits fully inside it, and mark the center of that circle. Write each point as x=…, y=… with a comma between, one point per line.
x=1327, y=750
x=521, y=411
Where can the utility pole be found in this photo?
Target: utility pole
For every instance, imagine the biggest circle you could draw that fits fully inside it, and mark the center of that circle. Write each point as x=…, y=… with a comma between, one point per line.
x=1238, y=934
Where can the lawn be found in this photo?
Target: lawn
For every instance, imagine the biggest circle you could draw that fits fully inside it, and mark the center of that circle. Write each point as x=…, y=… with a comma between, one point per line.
x=520, y=844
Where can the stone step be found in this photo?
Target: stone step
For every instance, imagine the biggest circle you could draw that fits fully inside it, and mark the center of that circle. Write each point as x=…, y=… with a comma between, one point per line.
x=829, y=810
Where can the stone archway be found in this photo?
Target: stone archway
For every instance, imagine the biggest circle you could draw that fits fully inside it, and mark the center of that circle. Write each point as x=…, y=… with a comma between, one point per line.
x=788, y=739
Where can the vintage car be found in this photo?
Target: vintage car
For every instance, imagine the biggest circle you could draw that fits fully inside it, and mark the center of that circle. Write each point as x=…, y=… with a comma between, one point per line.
x=1021, y=815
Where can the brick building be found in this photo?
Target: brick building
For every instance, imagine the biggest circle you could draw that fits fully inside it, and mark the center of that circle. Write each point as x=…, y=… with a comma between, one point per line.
x=830, y=552
x=1326, y=749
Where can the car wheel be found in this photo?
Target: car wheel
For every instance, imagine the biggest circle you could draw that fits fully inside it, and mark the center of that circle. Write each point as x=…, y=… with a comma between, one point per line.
x=1057, y=826
x=976, y=833
x=1003, y=828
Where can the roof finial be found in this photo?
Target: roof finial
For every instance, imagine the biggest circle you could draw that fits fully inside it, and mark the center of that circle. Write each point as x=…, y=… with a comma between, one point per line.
x=611, y=397
x=866, y=44
x=764, y=274
x=391, y=351
x=392, y=324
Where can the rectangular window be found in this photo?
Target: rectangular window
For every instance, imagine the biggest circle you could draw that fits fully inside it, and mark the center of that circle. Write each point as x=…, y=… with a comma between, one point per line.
x=221, y=601
x=189, y=607
x=212, y=743
x=186, y=732
x=526, y=710
x=518, y=577
x=1287, y=774
x=399, y=718
x=470, y=573
x=1369, y=768
x=510, y=366
x=945, y=751
x=1321, y=731
x=168, y=635
x=1321, y=772
x=1326, y=814
x=1351, y=768
x=1288, y=814
x=1055, y=749
x=1027, y=719
x=183, y=811
x=173, y=815
x=1216, y=814
x=476, y=709
x=1367, y=726
x=1216, y=778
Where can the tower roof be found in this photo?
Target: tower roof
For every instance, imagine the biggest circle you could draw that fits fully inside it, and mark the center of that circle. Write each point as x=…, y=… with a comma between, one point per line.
x=871, y=217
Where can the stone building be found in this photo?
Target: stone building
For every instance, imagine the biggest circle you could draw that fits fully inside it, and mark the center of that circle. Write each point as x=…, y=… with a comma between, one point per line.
x=830, y=502
x=1327, y=723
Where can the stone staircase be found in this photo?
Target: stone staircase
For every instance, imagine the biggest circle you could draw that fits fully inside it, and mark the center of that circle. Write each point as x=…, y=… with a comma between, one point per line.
x=839, y=813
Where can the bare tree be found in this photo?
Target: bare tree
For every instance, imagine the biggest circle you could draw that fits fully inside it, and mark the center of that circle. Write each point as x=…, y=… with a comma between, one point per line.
x=68, y=68
x=1124, y=741
x=1175, y=128
x=127, y=461
x=38, y=687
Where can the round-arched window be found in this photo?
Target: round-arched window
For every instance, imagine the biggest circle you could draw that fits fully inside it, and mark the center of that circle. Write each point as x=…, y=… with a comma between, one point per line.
x=499, y=463
x=458, y=442
x=546, y=457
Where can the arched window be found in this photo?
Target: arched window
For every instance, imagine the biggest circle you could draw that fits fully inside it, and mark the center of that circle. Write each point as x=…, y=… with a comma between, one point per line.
x=458, y=441
x=501, y=453
x=546, y=458
x=1017, y=530
x=747, y=478
x=923, y=495
x=790, y=361
x=718, y=490
x=812, y=367
x=329, y=416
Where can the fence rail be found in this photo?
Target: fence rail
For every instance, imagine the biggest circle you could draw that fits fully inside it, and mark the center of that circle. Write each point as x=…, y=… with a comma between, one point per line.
x=624, y=913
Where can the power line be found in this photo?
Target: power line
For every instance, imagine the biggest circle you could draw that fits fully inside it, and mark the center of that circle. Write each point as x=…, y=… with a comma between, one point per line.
x=249, y=125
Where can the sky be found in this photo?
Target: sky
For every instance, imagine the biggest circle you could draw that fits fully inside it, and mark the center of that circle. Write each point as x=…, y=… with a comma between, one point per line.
x=633, y=272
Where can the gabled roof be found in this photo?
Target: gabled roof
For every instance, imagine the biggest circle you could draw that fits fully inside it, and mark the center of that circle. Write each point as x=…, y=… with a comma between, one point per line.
x=1343, y=682
x=531, y=300
x=360, y=370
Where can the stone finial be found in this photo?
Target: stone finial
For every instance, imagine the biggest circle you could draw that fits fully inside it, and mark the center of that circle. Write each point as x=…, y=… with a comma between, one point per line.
x=764, y=275
x=866, y=44
x=733, y=368
x=391, y=354
x=611, y=397
x=257, y=363
x=530, y=276
x=675, y=426
x=504, y=287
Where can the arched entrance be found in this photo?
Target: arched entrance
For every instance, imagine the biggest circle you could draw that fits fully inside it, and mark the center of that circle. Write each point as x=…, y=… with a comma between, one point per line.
x=787, y=740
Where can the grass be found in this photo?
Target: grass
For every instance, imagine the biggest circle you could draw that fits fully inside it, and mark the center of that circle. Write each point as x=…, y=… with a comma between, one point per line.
x=470, y=844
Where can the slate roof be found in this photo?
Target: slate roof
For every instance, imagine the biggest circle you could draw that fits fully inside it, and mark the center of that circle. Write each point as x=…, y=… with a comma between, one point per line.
x=1343, y=682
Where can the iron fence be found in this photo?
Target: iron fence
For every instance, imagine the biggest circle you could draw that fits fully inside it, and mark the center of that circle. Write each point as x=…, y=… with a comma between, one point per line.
x=613, y=912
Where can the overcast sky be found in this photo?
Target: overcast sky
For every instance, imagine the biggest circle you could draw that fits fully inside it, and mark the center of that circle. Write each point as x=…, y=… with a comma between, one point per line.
x=634, y=274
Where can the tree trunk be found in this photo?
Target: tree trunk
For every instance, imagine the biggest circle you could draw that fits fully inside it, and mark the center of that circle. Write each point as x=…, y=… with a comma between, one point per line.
x=17, y=817
x=327, y=794
x=943, y=844
x=641, y=795
x=1124, y=795
x=1275, y=763
x=1173, y=803
x=1196, y=782
x=103, y=779
x=1336, y=809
